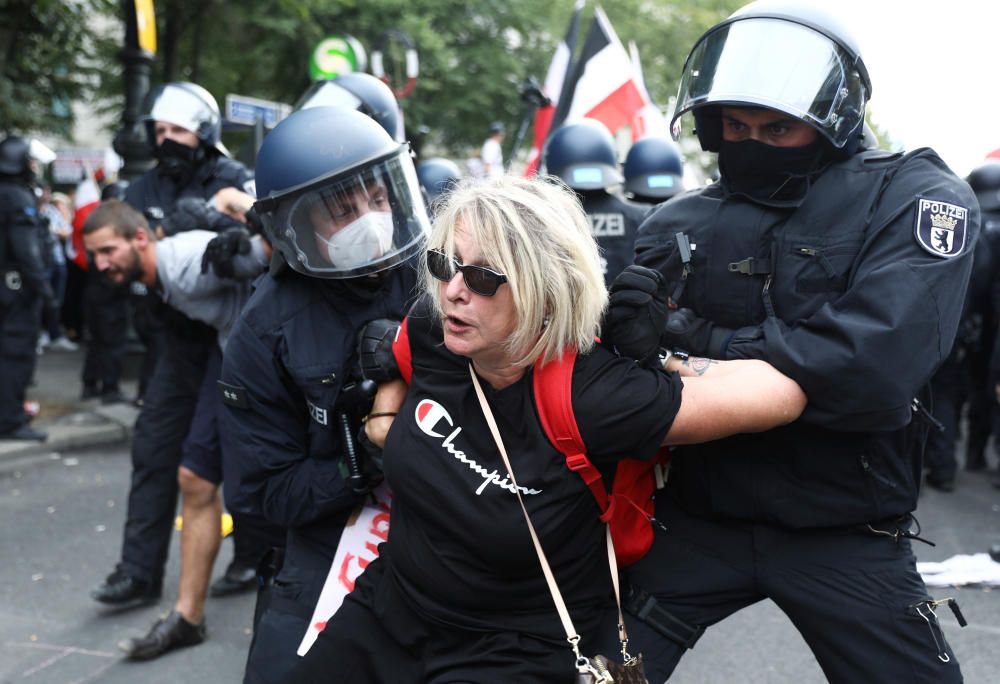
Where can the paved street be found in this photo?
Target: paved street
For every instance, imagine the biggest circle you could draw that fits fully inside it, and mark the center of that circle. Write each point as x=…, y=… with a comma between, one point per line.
x=62, y=529
x=62, y=523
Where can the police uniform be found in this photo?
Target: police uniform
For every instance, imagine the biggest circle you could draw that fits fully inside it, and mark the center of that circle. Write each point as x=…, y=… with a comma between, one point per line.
x=457, y=594
x=23, y=291
x=855, y=292
x=284, y=367
x=345, y=226
x=963, y=376
x=984, y=317
x=583, y=155
x=614, y=223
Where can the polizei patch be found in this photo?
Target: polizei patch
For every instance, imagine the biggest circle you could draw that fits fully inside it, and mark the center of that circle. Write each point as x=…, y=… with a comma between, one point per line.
x=940, y=227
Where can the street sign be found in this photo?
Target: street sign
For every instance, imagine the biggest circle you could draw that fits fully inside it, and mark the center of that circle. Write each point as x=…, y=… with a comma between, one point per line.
x=335, y=56
x=241, y=109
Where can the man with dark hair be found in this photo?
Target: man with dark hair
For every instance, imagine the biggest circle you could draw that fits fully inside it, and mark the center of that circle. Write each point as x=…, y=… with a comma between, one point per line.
x=125, y=250
x=184, y=126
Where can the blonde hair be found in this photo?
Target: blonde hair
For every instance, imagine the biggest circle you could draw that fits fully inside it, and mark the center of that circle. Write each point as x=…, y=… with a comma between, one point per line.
x=534, y=231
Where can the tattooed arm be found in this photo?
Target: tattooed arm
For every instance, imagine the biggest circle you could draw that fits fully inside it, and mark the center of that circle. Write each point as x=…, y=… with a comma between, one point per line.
x=722, y=398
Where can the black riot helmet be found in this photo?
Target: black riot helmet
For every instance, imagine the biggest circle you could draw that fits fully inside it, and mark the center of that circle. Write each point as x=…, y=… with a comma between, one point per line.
x=654, y=169
x=19, y=156
x=437, y=176
x=985, y=182
x=189, y=106
x=338, y=197
x=583, y=155
x=360, y=91
x=115, y=190
x=784, y=55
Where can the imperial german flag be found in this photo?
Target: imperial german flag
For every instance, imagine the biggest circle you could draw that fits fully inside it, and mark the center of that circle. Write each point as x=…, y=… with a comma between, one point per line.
x=604, y=85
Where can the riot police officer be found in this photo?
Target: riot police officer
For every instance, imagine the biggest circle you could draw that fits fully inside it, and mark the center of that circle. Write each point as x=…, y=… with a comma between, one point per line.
x=654, y=170
x=846, y=269
x=25, y=290
x=346, y=223
x=985, y=311
x=357, y=90
x=185, y=127
x=582, y=154
x=437, y=176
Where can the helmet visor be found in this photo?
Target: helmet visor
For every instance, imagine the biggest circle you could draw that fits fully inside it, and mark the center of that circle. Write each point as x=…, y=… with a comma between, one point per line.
x=181, y=107
x=328, y=94
x=352, y=224
x=778, y=64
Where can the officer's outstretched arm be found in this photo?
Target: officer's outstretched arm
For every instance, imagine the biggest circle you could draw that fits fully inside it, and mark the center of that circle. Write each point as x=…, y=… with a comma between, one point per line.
x=722, y=398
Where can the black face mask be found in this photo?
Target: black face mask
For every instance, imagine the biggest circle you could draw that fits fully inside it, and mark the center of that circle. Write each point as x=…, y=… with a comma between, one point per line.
x=768, y=173
x=179, y=161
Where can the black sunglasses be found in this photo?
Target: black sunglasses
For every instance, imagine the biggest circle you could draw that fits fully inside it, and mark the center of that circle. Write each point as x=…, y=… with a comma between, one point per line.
x=479, y=279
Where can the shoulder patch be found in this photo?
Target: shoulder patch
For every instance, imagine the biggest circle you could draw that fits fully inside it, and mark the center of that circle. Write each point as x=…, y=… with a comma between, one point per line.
x=940, y=227
x=233, y=395
x=30, y=211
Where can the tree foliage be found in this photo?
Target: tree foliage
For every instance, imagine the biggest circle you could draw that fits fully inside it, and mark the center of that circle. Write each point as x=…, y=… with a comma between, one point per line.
x=474, y=54
x=49, y=58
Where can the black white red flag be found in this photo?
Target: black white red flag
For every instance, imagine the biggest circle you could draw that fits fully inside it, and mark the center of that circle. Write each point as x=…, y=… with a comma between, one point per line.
x=604, y=85
x=556, y=81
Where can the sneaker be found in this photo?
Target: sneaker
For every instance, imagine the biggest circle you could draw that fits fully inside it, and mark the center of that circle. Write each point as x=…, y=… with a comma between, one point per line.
x=238, y=578
x=63, y=344
x=43, y=339
x=122, y=589
x=169, y=632
x=90, y=392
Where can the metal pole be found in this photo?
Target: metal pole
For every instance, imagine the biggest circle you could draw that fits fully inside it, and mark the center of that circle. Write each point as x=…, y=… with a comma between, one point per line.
x=130, y=142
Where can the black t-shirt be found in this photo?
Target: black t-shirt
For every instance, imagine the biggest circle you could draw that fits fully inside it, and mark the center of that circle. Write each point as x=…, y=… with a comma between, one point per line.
x=458, y=545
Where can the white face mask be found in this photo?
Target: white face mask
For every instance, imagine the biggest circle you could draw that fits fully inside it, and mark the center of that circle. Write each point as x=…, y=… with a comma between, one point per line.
x=360, y=242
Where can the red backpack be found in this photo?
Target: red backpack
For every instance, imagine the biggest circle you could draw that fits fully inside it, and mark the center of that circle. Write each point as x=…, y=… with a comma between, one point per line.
x=629, y=507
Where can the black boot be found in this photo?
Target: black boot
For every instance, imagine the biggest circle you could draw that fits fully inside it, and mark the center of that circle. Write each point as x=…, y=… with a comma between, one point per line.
x=121, y=589
x=239, y=577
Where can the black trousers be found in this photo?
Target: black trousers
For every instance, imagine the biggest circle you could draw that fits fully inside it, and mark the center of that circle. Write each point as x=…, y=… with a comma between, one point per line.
x=377, y=638
x=160, y=431
x=948, y=390
x=107, y=321
x=20, y=318
x=855, y=597
x=147, y=321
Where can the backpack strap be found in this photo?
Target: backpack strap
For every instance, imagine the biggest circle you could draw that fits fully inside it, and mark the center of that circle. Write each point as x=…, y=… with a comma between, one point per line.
x=553, y=387
x=401, y=350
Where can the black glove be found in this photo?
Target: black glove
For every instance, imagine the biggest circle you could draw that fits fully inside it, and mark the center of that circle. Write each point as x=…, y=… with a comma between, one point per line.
x=193, y=213
x=637, y=312
x=355, y=399
x=222, y=249
x=254, y=224
x=375, y=357
x=687, y=331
